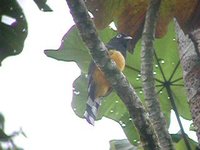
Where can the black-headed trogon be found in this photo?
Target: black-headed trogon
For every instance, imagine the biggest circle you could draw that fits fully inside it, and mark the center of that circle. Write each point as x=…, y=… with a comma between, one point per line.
x=98, y=86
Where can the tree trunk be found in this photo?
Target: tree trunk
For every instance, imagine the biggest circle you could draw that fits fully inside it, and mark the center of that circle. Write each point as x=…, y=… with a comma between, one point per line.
x=189, y=47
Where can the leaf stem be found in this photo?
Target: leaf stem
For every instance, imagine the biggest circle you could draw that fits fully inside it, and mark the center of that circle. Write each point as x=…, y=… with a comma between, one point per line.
x=171, y=98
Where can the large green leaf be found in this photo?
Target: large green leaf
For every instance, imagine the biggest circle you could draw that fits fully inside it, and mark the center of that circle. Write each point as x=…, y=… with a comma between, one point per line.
x=13, y=28
x=168, y=75
x=73, y=49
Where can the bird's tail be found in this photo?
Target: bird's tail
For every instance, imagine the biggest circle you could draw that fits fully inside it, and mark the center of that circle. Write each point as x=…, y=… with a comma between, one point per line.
x=92, y=107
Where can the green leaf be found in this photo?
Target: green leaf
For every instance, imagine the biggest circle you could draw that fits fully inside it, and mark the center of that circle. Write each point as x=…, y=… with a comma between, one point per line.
x=168, y=75
x=2, y=121
x=73, y=49
x=193, y=127
x=123, y=145
x=13, y=29
x=4, y=137
x=181, y=144
x=176, y=137
x=112, y=107
x=79, y=95
x=42, y=5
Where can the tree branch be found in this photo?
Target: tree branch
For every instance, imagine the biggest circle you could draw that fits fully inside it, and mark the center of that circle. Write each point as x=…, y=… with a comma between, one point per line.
x=191, y=70
x=118, y=81
x=147, y=52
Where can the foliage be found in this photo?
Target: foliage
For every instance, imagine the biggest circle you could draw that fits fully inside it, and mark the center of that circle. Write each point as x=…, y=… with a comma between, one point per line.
x=4, y=138
x=122, y=145
x=129, y=15
x=126, y=145
x=42, y=5
x=129, y=18
x=167, y=70
x=13, y=28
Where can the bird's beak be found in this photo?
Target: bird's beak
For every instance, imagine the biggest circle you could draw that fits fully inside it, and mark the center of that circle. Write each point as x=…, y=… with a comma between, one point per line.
x=128, y=38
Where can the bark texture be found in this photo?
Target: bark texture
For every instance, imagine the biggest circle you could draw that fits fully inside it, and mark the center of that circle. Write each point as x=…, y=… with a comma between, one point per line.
x=147, y=53
x=189, y=47
x=115, y=77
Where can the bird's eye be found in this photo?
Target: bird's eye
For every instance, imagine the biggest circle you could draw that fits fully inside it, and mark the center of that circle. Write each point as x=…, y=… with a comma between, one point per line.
x=119, y=36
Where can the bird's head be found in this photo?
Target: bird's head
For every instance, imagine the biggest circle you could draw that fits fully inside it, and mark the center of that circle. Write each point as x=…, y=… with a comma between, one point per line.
x=119, y=42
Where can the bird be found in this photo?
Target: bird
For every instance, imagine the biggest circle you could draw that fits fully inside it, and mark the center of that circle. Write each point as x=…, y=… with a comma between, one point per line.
x=98, y=86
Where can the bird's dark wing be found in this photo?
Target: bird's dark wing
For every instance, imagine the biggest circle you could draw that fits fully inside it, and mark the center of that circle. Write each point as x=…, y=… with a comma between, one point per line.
x=91, y=82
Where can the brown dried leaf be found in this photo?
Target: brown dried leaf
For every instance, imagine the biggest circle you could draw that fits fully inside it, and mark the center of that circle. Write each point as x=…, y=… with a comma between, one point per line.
x=129, y=15
x=187, y=13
